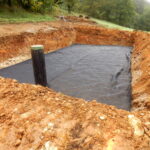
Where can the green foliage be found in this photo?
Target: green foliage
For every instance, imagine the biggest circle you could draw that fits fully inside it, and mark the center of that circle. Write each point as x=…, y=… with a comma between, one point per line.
x=143, y=21
x=69, y=4
x=36, y=6
x=20, y=15
x=41, y=5
x=121, y=12
x=139, y=5
x=32, y=5
x=129, y=13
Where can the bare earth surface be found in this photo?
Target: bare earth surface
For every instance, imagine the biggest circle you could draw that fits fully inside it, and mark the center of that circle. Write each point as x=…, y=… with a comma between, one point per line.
x=13, y=29
x=37, y=118
x=34, y=117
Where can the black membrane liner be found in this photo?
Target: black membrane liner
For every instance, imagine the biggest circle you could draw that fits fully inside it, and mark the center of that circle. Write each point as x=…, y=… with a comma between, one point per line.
x=84, y=71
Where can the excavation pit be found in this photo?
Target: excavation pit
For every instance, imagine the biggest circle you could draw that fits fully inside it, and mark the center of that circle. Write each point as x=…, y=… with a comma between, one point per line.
x=91, y=72
x=35, y=117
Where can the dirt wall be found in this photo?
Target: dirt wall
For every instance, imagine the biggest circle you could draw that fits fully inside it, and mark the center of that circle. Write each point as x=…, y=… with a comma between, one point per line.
x=88, y=34
x=53, y=39
x=141, y=71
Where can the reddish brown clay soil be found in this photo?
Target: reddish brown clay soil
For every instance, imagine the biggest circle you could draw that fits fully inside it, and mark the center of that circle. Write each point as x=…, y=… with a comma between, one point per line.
x=141, y=71
x=17, y=42
x=33, y=117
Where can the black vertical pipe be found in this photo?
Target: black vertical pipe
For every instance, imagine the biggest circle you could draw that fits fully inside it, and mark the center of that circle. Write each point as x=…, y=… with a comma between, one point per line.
x=38, y=61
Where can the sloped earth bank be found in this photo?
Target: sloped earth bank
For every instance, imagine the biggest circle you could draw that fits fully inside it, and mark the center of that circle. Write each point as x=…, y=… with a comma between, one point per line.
x=34, y=117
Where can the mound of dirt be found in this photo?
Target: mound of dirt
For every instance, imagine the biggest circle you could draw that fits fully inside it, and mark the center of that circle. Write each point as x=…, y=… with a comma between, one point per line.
x=34, y=117
x=75, y=19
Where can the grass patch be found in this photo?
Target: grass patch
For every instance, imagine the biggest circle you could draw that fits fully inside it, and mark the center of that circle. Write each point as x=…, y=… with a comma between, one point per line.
x=17, y=15
x=111, y=25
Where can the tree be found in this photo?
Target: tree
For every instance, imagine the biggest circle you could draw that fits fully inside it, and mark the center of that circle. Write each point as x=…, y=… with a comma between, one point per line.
x=140, y=6
x=9, y=3
x=69, y=4
x=121, y=12
x=143, y=22
x=90, y=7
x=4, y=2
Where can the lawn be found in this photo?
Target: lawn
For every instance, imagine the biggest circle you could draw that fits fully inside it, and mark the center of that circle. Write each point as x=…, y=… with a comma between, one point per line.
x=111, y=25
x=20, y=15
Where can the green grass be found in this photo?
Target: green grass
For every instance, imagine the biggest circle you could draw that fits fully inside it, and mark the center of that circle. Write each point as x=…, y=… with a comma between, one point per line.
x=110, y=25
x=19, y=15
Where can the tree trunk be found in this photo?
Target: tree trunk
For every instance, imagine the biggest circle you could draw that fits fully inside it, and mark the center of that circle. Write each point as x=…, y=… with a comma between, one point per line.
x=9, y=3
x=26, y=6
x=20, y=3
x=69, y=9
x=29, y=4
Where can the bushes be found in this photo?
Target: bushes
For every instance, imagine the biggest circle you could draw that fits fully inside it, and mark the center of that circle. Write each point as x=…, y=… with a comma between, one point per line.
x=33, y=5
x=143, y=21
x=42, y=6
x=129, y=13
x=36, y=6
x=121, y=12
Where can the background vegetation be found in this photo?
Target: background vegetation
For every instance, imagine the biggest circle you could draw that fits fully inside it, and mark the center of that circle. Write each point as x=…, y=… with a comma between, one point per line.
x=129, y=13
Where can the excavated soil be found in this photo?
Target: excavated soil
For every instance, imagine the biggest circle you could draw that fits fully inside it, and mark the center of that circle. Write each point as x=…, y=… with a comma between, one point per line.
x=16, y=39
x=33, y=117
